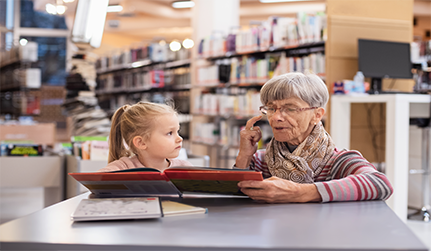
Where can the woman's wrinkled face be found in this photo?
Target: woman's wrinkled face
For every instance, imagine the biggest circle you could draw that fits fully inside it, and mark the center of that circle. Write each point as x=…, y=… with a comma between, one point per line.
x=289, y=123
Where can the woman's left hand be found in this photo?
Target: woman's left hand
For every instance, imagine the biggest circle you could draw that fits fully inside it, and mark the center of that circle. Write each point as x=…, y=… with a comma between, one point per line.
x=277, y=190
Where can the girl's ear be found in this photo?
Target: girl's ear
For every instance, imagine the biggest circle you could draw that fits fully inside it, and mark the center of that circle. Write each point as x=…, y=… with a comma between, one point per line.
x=139, y=143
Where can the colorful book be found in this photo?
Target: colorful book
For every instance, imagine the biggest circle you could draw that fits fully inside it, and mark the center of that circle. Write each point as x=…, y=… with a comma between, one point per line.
x=174, y=181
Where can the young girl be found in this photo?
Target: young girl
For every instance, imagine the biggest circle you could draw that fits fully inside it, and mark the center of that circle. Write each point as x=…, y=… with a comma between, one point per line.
x=150, y=131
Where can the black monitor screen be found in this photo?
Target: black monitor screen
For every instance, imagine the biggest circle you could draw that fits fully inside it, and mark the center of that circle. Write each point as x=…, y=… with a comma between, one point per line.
x=384, y=59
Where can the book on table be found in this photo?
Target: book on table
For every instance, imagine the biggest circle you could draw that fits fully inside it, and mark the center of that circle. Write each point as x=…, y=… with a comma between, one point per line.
x=98, y=209
x=117, y=209
x=174, y=181
x=173, y=208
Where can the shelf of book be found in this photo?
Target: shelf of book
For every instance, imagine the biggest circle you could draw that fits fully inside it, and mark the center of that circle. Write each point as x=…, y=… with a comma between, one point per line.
x=20, y=81
x=124, y=90
x=297, y=49
x=138, y=74
x=144, y=63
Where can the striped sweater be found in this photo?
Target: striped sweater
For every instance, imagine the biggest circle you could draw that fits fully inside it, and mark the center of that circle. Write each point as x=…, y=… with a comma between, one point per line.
x=347, y=176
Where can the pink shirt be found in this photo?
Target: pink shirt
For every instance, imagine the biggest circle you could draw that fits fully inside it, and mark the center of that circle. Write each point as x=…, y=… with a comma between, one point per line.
x=133, y=162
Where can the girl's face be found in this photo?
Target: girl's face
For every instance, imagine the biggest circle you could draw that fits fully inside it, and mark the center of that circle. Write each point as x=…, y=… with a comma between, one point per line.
x=164, y=141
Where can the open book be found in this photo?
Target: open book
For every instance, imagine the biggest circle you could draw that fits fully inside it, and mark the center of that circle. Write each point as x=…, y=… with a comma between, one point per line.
x=173, y=181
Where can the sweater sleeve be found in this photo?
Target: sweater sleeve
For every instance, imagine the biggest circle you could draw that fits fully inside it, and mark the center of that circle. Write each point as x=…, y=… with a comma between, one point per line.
x=349, y=177
x=258, y=163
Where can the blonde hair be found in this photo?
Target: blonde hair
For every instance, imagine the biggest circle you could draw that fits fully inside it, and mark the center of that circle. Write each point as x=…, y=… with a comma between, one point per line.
x=130, y=121
x=307, y=87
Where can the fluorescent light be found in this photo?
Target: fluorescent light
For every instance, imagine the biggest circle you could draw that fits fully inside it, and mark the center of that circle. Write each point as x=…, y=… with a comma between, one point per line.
x=281, y=1
x=89, y=22
x=114, y=8
x=183, y=4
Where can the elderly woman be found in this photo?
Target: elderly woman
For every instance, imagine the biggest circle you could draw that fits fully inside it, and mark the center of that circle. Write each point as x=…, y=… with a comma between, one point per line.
x=301, y=162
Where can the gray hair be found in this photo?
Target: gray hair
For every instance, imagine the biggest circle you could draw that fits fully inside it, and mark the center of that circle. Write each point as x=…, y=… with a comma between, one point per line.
x=307, y=87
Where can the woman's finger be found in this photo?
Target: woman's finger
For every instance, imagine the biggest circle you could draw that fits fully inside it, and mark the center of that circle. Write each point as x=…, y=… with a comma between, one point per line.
x=250, y=123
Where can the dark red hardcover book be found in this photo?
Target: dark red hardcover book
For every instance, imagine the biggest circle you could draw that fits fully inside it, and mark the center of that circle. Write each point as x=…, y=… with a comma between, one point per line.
x=173, y=181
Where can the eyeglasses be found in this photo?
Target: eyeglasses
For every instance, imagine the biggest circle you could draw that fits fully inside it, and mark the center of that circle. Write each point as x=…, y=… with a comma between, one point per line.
x=285, y=110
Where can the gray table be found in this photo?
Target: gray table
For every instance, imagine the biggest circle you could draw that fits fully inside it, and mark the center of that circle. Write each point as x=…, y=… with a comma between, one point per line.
x=231, y=224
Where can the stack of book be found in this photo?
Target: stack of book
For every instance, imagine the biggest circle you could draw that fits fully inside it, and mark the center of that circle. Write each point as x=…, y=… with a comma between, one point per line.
x=86, y=118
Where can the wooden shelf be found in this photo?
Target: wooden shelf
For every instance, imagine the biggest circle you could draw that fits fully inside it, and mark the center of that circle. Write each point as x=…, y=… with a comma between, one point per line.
x=228, y=85
x=125, y=90
x=143, y=63
x=306, y=48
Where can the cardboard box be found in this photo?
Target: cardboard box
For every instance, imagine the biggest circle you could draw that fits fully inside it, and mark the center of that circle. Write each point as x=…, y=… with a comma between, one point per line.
x=43, y=133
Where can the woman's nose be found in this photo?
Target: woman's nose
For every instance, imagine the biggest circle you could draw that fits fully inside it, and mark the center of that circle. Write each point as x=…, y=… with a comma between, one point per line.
x=277, y=115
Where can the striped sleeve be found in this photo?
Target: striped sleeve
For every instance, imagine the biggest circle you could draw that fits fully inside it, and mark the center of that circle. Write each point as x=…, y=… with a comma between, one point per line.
x=258, y=163
x=349, y=177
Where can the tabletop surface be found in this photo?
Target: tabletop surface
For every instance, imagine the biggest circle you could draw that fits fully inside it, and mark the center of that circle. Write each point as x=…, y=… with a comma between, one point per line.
x=231, y=223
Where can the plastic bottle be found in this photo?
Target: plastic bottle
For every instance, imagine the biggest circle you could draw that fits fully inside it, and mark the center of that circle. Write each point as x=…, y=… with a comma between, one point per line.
x=359, y=83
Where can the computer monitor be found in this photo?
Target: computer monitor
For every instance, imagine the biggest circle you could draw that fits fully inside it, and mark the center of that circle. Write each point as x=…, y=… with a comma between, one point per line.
x=383, y=59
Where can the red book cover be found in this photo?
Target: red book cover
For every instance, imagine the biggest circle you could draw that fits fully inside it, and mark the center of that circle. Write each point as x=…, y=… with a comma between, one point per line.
x=210, y=180
x=172, y=181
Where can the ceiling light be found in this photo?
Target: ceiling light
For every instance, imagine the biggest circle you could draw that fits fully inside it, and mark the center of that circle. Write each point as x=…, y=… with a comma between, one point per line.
x=23, y=41
x=61, y=9
x=114, y=8
x=188, y=43
x=162, y=42
x=51, y=9
x=68, y=1
x=281, y=1
x=175, y=46
x=183, y=4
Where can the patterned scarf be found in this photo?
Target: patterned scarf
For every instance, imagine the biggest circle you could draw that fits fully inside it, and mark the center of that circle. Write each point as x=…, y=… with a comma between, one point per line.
x=306, y=162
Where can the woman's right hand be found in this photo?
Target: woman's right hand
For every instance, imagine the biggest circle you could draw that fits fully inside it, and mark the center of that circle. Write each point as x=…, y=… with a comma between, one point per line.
x=248, y=142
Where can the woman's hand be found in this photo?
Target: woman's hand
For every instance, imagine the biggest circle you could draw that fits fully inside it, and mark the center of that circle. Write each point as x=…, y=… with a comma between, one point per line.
x=277, y=190
x=248, y=142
